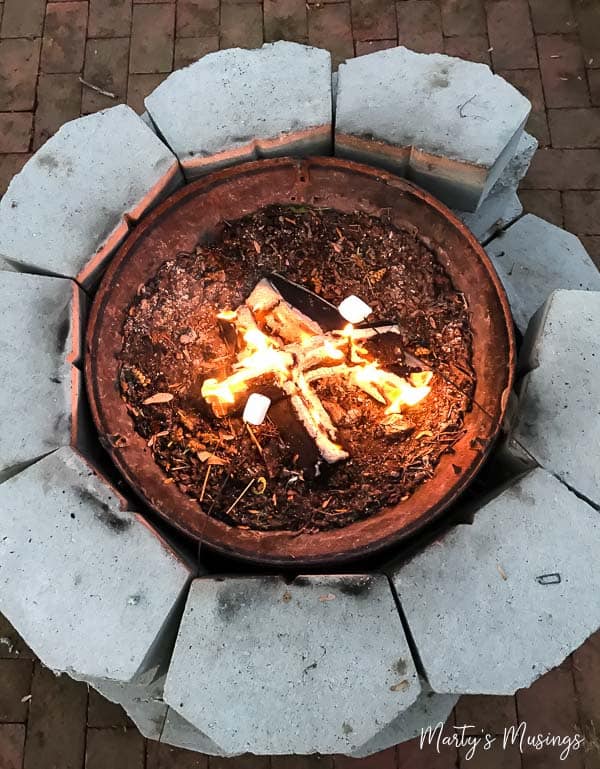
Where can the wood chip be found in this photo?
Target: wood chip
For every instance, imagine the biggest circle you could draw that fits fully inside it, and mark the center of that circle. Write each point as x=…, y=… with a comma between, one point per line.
x=158, y=398
x=402, y=686
x=210, y=458
x=97, y=88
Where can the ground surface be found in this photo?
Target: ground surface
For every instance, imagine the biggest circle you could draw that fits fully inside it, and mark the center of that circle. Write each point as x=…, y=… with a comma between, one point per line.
x=550, y=49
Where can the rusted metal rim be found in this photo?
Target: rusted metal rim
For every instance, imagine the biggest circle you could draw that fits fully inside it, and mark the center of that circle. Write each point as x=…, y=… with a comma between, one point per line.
x=194, y=213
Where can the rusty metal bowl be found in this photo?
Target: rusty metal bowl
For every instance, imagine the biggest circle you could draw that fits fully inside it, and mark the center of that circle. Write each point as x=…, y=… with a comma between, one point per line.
x=195, y=213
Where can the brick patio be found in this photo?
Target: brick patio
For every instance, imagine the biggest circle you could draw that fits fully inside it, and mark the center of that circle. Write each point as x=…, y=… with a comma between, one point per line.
x=550, y=49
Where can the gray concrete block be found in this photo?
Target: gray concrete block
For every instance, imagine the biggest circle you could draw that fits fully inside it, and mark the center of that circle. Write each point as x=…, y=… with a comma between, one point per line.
x=179, y=733
x=142, y=702
x=558, y=419
x=317, y=665
x=6, y=266
x=429, y=709
x=518, y=165
x=449, y=125
x=481, y=619
x=241, y=105
x=533, y=258
x=63, y=214
x=40, y=346
x=145, y=117
x=499, y=209
x=93, y=590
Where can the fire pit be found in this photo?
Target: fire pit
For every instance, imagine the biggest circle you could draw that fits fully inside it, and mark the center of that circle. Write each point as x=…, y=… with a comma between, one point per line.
x=299, y=489
x=229, y=390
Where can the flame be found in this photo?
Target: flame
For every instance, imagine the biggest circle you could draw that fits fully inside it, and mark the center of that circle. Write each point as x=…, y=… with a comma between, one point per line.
x=391, y=389
x=229, y=315
x=332, y=351
x=260, y=356
x=314, y=356
x=410, y=392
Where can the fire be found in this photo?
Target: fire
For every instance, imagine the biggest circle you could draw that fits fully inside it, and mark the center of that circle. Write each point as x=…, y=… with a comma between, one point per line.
x=392, y=390
x=259, y=356
x=291, y=351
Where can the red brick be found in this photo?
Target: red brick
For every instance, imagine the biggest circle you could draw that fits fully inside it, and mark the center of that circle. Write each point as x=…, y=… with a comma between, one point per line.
x=15, y=136
x=363, y=47
x=22, y=18
x=575, y=127
x=586, y=660
x=190, y=49
x=138, y=87
x=64, y=37
x=197, y=18
x=58, y=100
x=471, y=47
x=463, y=17
x=564, y=170
x=549, y=706
x=586, y=673
x=15, y=677
x=9, y=166
x=594, y=83
x=544, y=203
x=285, y=20
x=329, y=27
x=412, y=756
x=103, y=714
x=588, y=22
x=563, y=73
x=591, y=244
x=582, y=214
x=511, y=35
x=553, y=17
x=166, y=757
x=486, y=713
x=302, y=762
x=152, y=38
x=19, y=73
x=496, y=757
x=12, y=742
x=109, y=18
x=373, y=19
x=114, y=748
x=106, y=65
x=240, y=762
x=528, y=81
x=241, y=26
x=12, y=646
x=420, y=25
x=56, y=727
x=386, y=759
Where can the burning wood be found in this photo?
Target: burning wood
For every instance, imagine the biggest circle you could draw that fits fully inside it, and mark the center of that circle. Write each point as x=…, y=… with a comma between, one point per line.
x=279, y=346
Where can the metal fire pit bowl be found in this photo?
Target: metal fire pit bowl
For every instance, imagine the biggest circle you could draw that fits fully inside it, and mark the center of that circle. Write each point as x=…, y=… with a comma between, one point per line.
x=195, y=213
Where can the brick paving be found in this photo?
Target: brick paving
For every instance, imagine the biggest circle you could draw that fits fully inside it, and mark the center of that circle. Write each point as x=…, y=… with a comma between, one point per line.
x=550, y=49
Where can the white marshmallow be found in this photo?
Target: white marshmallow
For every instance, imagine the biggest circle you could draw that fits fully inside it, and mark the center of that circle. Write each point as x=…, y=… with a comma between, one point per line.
x=353, y=309
x=256, y=409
